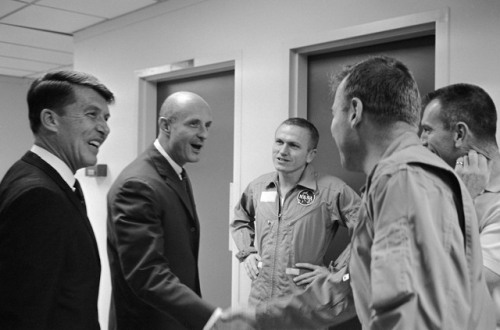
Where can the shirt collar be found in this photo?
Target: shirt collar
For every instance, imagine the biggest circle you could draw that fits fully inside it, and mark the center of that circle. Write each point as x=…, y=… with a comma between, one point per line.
x=54, y=161
x=403, y=141
x=308, y=178
x=177, y=168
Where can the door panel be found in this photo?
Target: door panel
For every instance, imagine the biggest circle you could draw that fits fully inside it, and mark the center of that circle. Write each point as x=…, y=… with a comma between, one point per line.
x=210, y=178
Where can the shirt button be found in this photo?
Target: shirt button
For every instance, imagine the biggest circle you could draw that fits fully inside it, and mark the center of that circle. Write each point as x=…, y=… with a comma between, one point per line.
x=193, y=229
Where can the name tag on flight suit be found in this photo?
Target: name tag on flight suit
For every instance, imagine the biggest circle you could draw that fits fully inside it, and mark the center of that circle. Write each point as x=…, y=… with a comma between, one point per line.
x=268, y=196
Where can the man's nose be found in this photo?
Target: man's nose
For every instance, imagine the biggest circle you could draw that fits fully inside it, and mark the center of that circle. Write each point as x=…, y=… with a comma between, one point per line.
x=103, y=127
x=284, y=149
x=203, y=132
x=423, y=139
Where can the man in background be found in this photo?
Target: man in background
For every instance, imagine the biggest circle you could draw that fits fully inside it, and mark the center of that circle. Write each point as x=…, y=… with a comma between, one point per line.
x=49, y=262
x=459, y=125
x=416, y=257
x=285, y=220
x=153, y=227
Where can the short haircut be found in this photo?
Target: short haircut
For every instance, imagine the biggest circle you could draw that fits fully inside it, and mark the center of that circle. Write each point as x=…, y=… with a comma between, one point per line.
x=469, y=104
x=385, y=86
x=54, y=91
x=304, y=123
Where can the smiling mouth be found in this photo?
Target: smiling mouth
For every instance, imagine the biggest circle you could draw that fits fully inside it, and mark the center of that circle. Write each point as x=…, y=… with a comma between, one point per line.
x=95, y=143
x=197, y=147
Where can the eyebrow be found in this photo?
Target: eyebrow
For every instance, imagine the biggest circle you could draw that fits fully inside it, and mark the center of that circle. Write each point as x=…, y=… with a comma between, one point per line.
x=93, y=107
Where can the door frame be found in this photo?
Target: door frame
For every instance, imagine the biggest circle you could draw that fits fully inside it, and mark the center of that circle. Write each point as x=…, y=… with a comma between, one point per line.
x=404, y=27
x=147, y=83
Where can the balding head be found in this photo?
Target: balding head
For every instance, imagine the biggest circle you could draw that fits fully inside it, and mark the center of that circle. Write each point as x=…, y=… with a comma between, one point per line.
x=179, y=102
x=183, y=126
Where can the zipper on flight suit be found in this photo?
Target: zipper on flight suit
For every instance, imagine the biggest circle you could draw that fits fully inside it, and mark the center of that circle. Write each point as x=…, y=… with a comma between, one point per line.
x=276, y=241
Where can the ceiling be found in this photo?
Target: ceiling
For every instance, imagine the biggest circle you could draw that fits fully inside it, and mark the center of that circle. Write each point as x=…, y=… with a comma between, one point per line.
x=37, y=35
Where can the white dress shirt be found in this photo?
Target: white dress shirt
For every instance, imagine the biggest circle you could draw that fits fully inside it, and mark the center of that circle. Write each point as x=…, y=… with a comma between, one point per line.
x=56, y=163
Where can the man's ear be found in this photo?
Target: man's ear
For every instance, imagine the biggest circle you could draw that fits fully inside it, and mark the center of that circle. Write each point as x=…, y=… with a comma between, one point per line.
x=311, y=155
x=165, y=125
x=461, y=134
x=49, y=119
x=355, y=112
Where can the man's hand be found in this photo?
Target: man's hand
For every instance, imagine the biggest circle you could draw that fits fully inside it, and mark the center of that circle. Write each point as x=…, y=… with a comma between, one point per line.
x=474, y=172
x=306, y=278
x=243, y=318
x=251, y=265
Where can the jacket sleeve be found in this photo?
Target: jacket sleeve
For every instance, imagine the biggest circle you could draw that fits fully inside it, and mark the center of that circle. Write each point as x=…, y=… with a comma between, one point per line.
x=394, y=253
x=138, y=234
x=327, y=301
x=243, y=226
x=35, y=236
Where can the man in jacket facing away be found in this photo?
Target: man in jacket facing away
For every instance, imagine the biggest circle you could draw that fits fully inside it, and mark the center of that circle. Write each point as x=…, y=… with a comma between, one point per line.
x=153, y=228
x=49, y=262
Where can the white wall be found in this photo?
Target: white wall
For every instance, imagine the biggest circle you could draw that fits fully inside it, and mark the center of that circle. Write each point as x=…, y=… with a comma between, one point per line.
x=257, y=31
x=15, y=134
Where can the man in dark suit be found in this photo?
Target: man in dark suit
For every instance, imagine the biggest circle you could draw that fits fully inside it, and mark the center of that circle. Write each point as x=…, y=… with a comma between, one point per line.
x=153, y=228
x=49, y=262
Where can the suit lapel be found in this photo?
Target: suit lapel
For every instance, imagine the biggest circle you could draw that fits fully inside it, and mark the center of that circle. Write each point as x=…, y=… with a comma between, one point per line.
x=171, y=178
x=35, y=160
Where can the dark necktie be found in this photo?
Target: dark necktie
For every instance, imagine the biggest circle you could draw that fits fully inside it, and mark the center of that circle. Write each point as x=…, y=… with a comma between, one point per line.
x=185, y=182
x=79, y=194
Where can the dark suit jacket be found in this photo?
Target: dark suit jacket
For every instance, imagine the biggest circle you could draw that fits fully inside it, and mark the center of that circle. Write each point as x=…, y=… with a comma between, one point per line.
x=153, y=241
x=49, y=262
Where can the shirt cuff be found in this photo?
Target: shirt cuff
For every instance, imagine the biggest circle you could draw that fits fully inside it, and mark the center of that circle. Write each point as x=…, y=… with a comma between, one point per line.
x=243, y=254
x=213, y=319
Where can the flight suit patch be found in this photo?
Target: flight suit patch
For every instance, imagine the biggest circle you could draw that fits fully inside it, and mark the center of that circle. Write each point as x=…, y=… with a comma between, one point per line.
x=305, y=197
